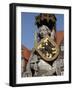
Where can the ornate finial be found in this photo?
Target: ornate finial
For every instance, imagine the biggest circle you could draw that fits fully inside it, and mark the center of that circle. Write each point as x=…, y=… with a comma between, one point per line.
x=44, y=19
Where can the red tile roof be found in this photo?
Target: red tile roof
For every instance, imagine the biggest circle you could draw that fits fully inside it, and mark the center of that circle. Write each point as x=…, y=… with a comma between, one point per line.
x=59, y=37
x=25, y=53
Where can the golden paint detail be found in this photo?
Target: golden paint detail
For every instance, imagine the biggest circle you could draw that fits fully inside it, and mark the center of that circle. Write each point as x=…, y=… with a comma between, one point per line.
x=47, y=49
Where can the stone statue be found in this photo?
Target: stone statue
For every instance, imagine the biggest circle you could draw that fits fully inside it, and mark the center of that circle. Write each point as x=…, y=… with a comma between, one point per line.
x=37, y=66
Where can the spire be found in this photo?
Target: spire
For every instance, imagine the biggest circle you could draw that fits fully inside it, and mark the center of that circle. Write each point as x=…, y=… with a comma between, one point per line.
x=35, y=39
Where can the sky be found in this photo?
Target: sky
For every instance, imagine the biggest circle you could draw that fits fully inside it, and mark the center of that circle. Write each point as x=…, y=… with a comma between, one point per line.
x=28, y=27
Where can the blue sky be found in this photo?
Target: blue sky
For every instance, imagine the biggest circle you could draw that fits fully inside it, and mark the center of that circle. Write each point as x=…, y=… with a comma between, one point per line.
x=28, y=27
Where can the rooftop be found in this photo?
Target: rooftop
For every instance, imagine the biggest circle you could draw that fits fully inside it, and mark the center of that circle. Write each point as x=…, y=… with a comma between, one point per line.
x=59, y=37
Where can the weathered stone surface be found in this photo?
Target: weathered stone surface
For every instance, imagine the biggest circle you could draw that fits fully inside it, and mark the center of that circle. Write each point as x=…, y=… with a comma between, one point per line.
x=42, y=68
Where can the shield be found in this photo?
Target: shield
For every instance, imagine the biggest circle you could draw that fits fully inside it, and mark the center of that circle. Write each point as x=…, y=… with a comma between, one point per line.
x=47, y=49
